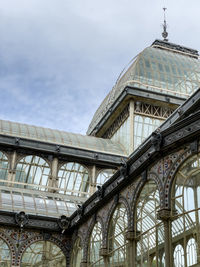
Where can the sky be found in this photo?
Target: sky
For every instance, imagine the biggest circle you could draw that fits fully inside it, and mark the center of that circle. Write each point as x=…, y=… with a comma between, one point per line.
x=60, y=58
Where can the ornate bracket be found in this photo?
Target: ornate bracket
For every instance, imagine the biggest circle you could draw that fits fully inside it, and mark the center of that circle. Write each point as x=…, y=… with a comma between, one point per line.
x=100, y=191
x=21, y=219
x=156, y=140
x=17, y=140
x=194, y=146
x=46, y=236
x=123, y=169
x=63, y=223
x=80, y=210
x=57, y=148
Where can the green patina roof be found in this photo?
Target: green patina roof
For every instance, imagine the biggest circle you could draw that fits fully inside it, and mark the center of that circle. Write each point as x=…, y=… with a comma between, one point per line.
x=61, y=138
x=158, y=69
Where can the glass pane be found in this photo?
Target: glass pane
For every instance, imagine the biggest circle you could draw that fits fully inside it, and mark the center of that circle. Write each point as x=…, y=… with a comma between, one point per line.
x=43, y=253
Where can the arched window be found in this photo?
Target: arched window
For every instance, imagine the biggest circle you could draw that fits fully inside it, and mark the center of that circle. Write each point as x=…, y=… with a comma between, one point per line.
x=32, y=171
x=191, y=252
x=43, y=253
x=5, y=254
x=73, y=179
x=179, y=256
x=104, y=175
x=4, y=166
x=94, y=246
x=149, y=229
x=117, y=241
x=77, y=254
x=186, y=210
x=163, y=260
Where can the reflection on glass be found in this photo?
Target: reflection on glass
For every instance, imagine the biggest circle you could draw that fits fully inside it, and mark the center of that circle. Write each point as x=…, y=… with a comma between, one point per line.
x=117, y=242
x=148, y=228
x=143, y=127
x=185, y=203
x=191, y=252
x=179, y=256
x=104, y=175
x=95, y=245
x=32, y=170
x=73, y=179
x=122, y=135
x=43, y=254
x=77, y=254
x=3, y=167
x=5, y=255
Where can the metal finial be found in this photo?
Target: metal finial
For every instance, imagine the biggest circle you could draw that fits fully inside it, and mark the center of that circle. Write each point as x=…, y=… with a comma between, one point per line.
x=165, y=33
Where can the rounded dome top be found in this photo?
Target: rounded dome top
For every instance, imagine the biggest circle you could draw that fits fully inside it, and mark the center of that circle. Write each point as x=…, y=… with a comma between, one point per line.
x=159, y=69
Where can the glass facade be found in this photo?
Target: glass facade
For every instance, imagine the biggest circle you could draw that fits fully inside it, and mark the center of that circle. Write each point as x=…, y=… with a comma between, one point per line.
x=143, y=127
x=32, y=172
x=43, y=254
x=57, y=137
x=149, y=230
x=95, y=245
x=186, y=223
x=4, y=167
x=73, y=179
x=103, y=176
x=77, y=254
x=5, y=254
x=116, y=237
x=158, y=70
x=122, y=135
x=164, y=71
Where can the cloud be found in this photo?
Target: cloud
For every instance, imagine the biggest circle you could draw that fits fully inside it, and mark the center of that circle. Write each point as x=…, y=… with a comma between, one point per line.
x=59, y=59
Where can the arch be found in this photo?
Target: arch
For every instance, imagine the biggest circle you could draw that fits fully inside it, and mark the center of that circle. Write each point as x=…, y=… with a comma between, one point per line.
x=168, y=186
x=151, y=176
x=121, y=200
x=77, y=253
x=95, y=244
x=117, y=243
x=32, y=172
x=7, y=240
x=73, y=179
x=185, y=201
x=191, y=251
x=33, y=240
x=103, y=176
x=178, y=254
x=86, y=242
x=148, y=229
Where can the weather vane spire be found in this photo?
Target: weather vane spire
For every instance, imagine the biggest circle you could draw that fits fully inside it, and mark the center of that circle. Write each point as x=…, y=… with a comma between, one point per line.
x=165, y=33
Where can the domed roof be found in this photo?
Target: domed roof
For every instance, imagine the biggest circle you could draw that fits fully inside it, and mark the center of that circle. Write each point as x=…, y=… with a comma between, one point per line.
x=163, y=67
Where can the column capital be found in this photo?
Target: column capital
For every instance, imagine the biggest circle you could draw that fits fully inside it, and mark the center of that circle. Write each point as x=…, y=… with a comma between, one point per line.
x=103, y=252
x=166, y=214
x=131, y=235
x=83, y=264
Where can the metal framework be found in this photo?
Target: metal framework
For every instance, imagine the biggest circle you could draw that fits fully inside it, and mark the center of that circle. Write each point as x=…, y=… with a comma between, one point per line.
x=69, y=200
x=94, y=246
x=159, y=69
x=43, y=253
x=5, y=254
x=117, y=243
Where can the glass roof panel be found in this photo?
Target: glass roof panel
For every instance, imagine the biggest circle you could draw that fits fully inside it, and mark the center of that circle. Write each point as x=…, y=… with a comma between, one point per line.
x=37, y=203
x=61, y=138
x=158, y=70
